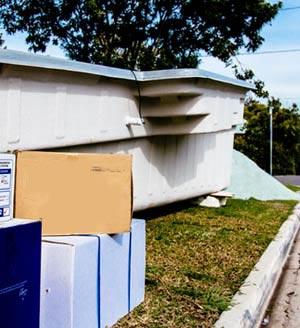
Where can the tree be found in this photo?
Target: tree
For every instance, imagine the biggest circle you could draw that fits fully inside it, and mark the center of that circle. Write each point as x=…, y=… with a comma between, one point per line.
x=255, y=143
x=149, y=34
x=1, y=40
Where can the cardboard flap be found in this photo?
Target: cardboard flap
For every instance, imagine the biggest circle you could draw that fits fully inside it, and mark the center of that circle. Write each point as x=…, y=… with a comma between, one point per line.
x=75, y=193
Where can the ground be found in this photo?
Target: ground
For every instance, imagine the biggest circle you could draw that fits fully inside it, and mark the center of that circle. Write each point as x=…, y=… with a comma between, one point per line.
x=284, y=309
x=197, y=258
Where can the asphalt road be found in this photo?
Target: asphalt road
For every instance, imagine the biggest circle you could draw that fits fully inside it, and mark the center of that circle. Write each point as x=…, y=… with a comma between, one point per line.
x=289, y=179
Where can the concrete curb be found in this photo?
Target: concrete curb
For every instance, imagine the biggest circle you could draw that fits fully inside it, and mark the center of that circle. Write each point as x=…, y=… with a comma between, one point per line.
x=250, y=302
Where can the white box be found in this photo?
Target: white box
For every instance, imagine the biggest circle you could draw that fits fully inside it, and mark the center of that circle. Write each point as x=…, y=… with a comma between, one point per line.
x=7, y=181
x=138, y=263
x=88, y=281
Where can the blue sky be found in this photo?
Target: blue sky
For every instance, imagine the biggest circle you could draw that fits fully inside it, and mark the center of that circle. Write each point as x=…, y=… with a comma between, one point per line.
x=280, y=72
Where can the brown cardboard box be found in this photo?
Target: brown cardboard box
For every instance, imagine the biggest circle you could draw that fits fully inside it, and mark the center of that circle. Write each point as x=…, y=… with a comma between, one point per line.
x=74, y=193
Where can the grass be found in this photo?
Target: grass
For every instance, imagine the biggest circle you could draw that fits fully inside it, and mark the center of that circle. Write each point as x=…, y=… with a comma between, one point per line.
x=293, y=187
x=197, y=259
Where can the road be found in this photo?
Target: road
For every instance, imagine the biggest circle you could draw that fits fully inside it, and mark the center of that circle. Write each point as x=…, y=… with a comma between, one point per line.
x=289, y=179
x=284, y=311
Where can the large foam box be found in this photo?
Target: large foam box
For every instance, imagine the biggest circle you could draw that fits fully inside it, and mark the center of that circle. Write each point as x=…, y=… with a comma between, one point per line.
x=75, y=193
x=20, y=261
x=91, y=281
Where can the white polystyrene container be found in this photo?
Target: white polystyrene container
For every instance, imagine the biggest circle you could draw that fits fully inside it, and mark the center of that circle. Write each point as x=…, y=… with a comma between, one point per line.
x=177, y=124
x=167, y=169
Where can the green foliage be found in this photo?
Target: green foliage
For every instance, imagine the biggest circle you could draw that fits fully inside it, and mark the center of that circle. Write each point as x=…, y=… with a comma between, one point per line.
x=248, y=75
x=255, y=143
x=150, y=34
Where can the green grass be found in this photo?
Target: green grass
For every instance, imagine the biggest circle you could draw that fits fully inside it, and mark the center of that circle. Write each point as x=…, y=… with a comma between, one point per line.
x=293, y=187
x=198, y=258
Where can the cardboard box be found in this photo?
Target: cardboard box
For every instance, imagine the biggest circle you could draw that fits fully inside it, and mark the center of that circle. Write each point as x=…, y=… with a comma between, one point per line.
x=92, y=281
x=20, y=263
x=7, y=181
x=75, y=193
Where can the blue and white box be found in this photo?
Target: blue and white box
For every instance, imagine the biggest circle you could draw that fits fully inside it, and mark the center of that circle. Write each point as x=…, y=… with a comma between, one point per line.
x=7, y=178
x=20, y=264
x=91, y=281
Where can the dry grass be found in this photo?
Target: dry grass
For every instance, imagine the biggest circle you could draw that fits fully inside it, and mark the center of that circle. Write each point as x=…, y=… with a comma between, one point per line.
x=197, y=259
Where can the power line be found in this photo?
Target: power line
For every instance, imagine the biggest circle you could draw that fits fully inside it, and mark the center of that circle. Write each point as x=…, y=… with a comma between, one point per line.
x=289, y=98
x=279, y=51
x=290, y=8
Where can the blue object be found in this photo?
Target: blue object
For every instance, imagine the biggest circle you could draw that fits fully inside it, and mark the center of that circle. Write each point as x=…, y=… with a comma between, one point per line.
x=20, y=260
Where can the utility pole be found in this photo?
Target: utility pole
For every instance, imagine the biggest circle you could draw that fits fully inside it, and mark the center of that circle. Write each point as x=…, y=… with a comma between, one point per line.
x=271, y=139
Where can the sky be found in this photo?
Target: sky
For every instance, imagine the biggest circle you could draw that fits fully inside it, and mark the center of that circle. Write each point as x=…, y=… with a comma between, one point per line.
x=279, y=71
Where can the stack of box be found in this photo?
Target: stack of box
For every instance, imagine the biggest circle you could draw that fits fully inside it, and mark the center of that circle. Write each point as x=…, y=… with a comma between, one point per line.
x=92, y=281
x=93, y=254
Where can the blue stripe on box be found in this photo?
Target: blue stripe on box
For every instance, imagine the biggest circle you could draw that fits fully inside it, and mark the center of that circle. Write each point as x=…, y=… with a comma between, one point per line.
x=1, y=212
x=129, y=271
x=99, y=274
x=99, y=280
